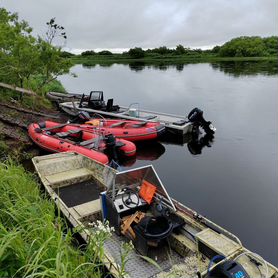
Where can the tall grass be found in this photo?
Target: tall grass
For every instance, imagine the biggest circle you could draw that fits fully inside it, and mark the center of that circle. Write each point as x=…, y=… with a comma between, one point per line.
x=33, y=241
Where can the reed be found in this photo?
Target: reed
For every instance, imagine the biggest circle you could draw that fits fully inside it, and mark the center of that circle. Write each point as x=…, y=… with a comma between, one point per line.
x=34, y=242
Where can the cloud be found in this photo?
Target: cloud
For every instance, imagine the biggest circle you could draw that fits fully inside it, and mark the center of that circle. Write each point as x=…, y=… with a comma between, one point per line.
x=128, y=23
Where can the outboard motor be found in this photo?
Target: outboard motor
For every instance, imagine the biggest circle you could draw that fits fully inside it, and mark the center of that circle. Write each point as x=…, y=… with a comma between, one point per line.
x=196, y=117
x=81, y=117
x=228, y=269
x=111, y=146
x=84, y=116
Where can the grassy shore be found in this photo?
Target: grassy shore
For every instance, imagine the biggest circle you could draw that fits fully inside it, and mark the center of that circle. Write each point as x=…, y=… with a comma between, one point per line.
x=34, y=240
x=167, y=59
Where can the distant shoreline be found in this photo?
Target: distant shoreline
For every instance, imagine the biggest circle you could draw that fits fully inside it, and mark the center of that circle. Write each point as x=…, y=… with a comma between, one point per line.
x=119, y=58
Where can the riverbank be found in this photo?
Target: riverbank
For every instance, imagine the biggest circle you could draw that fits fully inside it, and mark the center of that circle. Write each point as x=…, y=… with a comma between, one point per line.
x=17, y=111
x=166, y=59
x=34, y=240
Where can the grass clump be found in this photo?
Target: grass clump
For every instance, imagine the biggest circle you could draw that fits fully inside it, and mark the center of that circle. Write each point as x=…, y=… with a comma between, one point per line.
x=37, y=102
x=33, y=241
x=37, y=84
x=3, y=147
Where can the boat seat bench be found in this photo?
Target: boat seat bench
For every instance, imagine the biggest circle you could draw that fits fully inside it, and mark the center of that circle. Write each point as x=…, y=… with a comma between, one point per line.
x=139, y=125
x=150, y=117
x=88, y=142
x=120, y=124
x=70, y=132
x=62, y=134
x=65, y=178
x=75, y=131
x=86, y=209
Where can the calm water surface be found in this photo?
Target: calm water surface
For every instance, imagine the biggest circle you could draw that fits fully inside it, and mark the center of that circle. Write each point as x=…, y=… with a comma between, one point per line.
x=234, y=181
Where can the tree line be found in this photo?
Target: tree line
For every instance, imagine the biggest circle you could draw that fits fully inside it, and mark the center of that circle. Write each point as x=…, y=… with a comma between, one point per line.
x=244, y=46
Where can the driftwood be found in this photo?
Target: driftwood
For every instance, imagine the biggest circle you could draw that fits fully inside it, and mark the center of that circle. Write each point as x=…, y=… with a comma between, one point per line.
x=17, y=89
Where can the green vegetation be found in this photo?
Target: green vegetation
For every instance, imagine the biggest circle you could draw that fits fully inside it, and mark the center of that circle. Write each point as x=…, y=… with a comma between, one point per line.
x=238, y=49
x=136, y=52
x=34, y=242
x=3, y=147
x=249, y=47
x=26, y=61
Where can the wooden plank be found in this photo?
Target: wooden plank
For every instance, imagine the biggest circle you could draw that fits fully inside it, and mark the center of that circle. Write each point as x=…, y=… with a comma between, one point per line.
x=18, y=89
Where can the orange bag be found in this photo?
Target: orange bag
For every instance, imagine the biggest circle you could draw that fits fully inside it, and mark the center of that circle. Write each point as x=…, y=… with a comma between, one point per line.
x=147, y=191
x=93, y=122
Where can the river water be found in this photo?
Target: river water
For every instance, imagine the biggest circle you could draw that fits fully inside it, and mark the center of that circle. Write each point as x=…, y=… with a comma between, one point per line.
x=231, y=180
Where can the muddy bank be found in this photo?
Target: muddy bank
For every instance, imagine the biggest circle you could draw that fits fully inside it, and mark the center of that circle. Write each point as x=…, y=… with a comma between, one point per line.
x=14, y=121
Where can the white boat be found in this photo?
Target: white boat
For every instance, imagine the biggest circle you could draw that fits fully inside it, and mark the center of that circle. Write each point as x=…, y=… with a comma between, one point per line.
x=181, y=242
x=95, y=104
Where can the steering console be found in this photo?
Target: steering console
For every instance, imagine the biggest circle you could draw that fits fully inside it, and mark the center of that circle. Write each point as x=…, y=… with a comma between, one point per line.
x=130, y=198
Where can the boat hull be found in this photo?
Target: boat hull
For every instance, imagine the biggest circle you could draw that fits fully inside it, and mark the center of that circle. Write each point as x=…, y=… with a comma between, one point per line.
x=128, y=130
x=173, y=123
x=199, y=232
x=53, y=144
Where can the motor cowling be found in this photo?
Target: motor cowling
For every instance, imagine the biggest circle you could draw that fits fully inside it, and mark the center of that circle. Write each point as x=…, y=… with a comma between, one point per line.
x=111, y=146
x=196, y=117
x=228, y=269
x=84, y=116
x=110, y=140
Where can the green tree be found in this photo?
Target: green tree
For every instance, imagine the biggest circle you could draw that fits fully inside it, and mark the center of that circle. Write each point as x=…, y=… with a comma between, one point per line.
x=52, y=64
x=136, y=52
x=180, y=50
x=88, y=53
x=54, y=30
x=18, y=50
x=23, y=57
x=66, y=54
x=162, y=50
x=244, y=47
x=216, y=49
x=271, y=45
x=105, y=52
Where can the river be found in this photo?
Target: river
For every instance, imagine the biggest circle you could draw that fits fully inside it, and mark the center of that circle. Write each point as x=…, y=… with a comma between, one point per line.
x=231, y=180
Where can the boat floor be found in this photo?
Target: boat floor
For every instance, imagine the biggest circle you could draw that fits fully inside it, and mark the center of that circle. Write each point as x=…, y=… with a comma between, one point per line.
x=79, y=193
x=136, y=266
x=82, y=199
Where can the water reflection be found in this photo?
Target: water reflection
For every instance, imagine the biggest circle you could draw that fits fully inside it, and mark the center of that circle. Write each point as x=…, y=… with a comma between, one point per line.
x=195, y=141
x=91, y=65
x=239, y=68
x=153, y=150
x=147, y=151
x=234, y=68
x=137, y=66
x=163, y=66
x=238, y=175
x=198, y=142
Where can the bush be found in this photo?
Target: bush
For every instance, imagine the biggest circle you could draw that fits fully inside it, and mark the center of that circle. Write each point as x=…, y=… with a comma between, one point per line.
x=105, y=52
x=88, y=53
x=136, y=52
x=65, y=54
x=249, y=47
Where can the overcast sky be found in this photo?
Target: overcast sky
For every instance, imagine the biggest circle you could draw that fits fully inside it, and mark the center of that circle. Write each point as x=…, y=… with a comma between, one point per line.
x=122, y=24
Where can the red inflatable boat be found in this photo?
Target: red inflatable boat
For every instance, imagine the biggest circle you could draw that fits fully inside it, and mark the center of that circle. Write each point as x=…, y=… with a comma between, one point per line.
x=129, y=130
x=55, y=137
